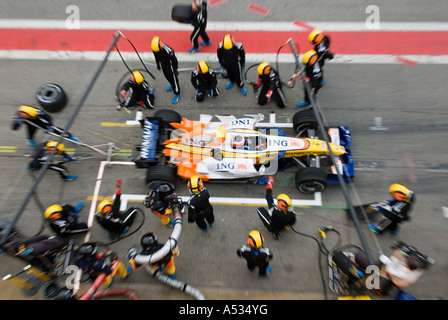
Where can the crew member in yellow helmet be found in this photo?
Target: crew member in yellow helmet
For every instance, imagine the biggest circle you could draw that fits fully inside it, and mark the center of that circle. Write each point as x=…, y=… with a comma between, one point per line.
x=35, y=118
x=387, y=215
x=255, y=254
x=269, y=85
x=136, y=92
x=63, y=219
x=314, y=75
x=166, y=60
x=44, y=151
x=321, y=44
x=110, y=217
x=199, y=208
x=232, y=57
x=204, y=81
x=280, y=215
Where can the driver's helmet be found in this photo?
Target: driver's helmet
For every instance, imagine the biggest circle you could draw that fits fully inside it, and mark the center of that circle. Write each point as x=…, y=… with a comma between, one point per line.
x=165, y=190
x=238, y=141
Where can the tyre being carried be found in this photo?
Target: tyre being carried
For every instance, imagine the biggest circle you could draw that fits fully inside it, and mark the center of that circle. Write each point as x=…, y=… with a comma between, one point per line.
x=51, y=97
x=182, y=13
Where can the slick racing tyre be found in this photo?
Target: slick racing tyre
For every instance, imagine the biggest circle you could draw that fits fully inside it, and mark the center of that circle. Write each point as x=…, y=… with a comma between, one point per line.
x=51, y=97
x=310, y=180
x=168, y=116
x=304, y=120
x=182, y=13
x=162, y=173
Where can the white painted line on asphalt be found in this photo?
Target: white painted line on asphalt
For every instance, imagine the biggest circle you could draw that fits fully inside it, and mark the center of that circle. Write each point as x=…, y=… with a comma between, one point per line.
x=92, y=210
x=378, y=124
x=230, y=201
x=221, y=25
x=212, y=58
x=445, y=212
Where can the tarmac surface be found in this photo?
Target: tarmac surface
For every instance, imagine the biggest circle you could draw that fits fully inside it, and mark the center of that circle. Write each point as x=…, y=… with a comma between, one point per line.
x=410, y=100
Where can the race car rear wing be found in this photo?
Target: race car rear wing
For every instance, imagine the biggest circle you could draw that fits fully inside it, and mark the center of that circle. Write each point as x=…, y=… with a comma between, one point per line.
x=148, y=148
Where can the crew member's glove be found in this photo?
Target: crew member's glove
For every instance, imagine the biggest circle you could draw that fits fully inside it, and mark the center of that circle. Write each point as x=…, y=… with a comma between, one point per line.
x=158, y=66
x=132, y=253
x=49, y=129
x=259, y=82
x=123, y=94
x=270, y=182
x=269, y=95
x=176, y=73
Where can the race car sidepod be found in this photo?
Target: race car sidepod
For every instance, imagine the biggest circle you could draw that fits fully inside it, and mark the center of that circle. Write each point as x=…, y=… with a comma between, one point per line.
x=344, y=163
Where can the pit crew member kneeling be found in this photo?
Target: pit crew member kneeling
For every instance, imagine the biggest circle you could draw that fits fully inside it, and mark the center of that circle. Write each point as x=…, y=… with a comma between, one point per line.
x=280, y=216
x=392, y=212
x=110, y=217
x=136, y=91
x=204, y=80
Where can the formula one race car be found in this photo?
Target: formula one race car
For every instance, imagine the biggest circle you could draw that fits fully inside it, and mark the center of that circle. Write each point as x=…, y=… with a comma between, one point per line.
x=230, y=148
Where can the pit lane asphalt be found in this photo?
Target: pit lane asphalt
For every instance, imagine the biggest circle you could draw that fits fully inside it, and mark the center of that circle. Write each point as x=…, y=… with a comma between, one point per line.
x=410, y=100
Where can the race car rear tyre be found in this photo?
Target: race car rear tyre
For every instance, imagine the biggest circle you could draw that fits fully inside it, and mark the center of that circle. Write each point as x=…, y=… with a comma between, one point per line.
x=51, y=97
x=182, y=13
x=303, y=120
x=160, y=173
x=311, y=179
x=168, y=116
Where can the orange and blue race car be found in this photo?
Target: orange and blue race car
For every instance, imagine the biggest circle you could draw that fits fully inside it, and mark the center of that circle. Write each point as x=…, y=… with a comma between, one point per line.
x=231, y=148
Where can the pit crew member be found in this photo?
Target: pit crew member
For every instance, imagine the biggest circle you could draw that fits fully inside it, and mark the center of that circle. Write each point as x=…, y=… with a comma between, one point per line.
x=42, y=154
x=393, y=212
x=150, y=246
x=255, y=254
x=199, y=8
x=271, y=87
x=110, y=217
x=314, y=75
x=138, y=93
x=204, y=81
x=280, y=216
x=161, y=199
x=199, y=208
x=166, y=60
x=35, y=118
x=232, y=58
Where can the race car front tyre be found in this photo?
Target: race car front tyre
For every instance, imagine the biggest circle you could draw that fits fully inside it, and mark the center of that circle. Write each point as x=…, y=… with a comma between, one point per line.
x=311, y=179
x=51, y=97
x=304, y=120
x=162, y=173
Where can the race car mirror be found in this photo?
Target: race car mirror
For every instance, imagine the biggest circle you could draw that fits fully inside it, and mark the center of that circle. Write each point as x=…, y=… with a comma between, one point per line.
x=217, y=154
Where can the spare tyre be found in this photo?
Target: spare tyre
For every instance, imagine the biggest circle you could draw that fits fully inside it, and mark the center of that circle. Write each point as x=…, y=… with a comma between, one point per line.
x=182, y=13
x=51, y=97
